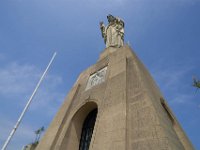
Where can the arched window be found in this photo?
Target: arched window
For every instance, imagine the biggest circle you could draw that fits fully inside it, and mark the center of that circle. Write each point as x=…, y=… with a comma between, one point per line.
x=87, y=130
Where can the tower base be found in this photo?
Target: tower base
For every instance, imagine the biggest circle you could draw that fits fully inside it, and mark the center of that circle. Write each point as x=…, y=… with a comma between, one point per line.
x=131, y=111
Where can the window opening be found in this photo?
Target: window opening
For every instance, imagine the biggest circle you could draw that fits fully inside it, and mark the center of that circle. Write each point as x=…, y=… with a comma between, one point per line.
x=167, y=111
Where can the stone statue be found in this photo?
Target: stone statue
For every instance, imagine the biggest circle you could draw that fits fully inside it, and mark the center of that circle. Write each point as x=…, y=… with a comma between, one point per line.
x=113, y=33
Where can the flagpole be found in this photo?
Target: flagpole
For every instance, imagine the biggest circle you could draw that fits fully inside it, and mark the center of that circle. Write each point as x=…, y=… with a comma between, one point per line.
x=27, y=105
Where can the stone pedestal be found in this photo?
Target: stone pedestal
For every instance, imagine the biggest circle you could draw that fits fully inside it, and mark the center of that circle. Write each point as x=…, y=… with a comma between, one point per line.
x=132, y=113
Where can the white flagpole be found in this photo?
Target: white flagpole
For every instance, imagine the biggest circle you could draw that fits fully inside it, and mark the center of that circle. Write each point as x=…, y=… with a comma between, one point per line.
x=27, y=105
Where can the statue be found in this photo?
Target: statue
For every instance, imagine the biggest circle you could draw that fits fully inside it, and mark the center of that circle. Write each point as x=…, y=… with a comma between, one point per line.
x=113, y=33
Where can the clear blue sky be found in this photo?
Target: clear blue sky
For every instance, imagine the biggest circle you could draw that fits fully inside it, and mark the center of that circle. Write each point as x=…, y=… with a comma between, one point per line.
x=165, y=34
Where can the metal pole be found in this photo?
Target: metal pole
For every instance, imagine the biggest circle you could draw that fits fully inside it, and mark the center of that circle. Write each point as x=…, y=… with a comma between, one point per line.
x=27, y=105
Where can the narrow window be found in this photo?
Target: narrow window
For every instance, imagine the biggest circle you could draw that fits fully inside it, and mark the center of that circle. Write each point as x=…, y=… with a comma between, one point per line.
x=167, y=111
x=87, y=130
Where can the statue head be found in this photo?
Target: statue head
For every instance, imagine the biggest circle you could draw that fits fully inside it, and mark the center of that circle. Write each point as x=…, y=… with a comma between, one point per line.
x=111, y=18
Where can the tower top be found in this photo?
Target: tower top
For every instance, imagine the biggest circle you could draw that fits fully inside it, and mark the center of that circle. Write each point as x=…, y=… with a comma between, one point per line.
x=113, y=33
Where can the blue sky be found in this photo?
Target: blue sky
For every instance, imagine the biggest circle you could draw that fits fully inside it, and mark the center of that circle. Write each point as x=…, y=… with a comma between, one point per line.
x=165, y=34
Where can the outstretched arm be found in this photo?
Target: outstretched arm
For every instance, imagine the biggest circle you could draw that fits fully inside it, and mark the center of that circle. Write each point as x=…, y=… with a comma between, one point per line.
x=102, y=27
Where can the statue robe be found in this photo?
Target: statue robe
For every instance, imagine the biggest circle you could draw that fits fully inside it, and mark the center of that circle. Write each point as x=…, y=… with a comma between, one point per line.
x=114, y=35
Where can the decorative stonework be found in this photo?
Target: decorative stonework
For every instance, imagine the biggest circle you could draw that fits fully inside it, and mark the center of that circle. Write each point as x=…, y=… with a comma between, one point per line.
x=96, y=78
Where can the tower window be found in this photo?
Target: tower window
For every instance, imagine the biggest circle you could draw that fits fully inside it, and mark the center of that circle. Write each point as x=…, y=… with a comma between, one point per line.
x=167, y=111
x=87, y=130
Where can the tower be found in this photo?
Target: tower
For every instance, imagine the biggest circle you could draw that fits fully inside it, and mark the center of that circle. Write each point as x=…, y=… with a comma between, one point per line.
x=115, y=105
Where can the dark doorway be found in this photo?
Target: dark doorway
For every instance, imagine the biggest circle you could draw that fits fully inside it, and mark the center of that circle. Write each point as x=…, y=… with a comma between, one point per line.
x=87, y=130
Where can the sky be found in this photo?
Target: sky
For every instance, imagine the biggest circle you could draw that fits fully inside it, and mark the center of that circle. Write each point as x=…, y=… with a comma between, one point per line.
x=165, y=34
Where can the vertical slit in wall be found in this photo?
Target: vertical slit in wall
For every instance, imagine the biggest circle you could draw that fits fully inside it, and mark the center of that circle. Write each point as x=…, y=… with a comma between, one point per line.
x=167, y=111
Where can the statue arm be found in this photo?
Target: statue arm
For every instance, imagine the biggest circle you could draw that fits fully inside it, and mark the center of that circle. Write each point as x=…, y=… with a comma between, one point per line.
x=102, y=27
x=120, y=27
